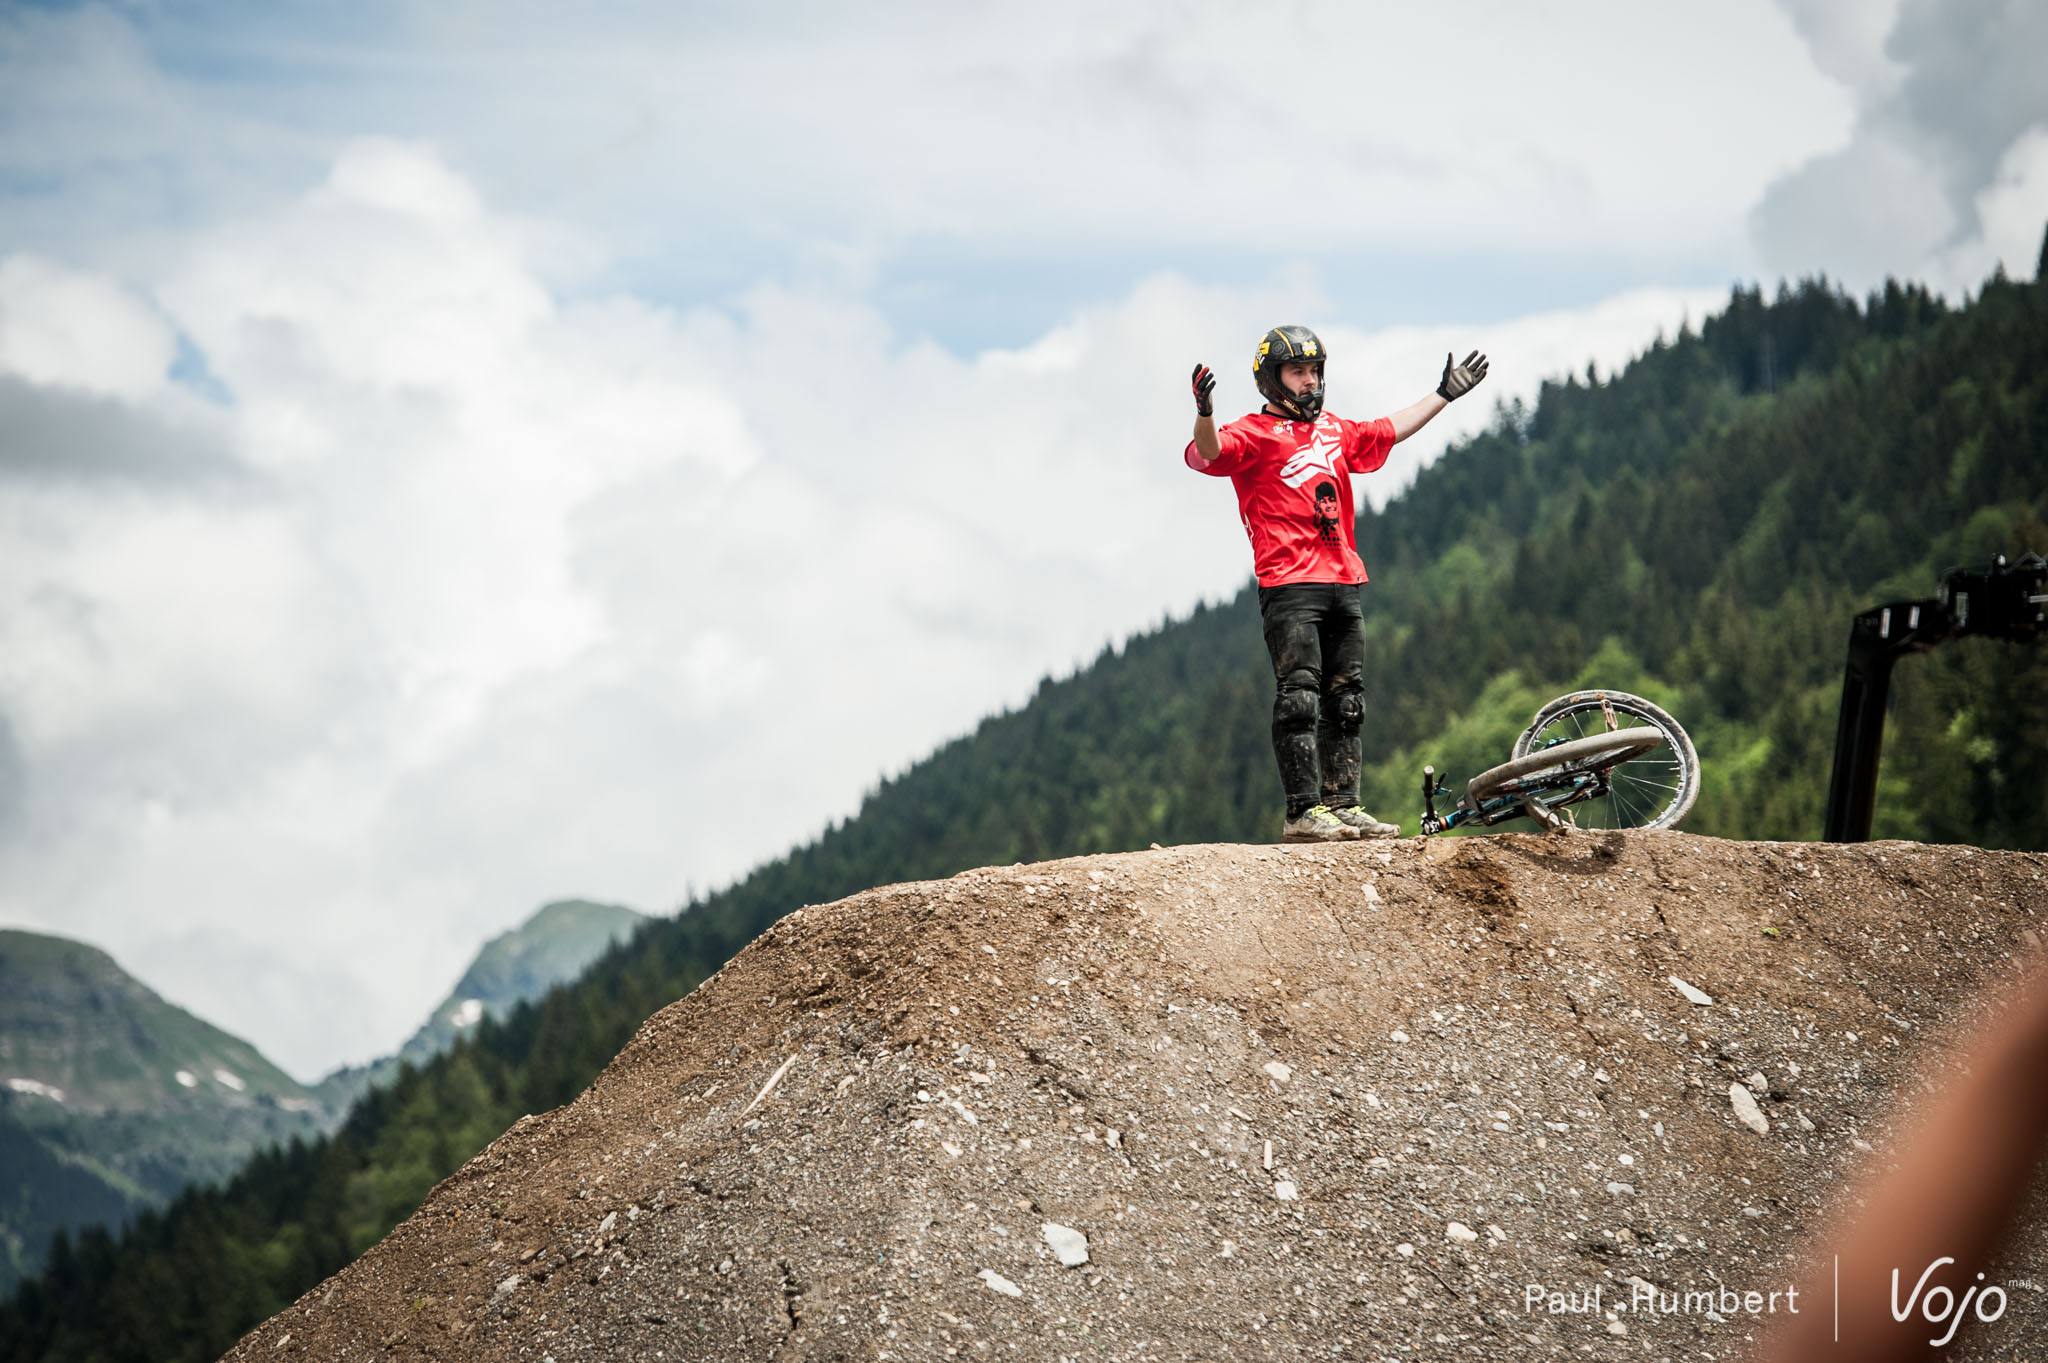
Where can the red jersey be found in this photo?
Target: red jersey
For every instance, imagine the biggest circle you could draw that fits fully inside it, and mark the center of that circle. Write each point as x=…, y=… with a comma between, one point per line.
x=1293, y=483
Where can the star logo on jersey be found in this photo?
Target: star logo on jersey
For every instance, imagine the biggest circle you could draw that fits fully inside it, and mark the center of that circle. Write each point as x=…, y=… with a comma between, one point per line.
x=1319, y=455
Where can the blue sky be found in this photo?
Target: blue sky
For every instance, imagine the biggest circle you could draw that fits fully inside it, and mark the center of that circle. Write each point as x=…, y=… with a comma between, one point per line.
x=405, y=407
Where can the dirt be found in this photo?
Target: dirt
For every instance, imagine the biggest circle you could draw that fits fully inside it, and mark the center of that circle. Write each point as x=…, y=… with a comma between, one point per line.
x=1466, y=1057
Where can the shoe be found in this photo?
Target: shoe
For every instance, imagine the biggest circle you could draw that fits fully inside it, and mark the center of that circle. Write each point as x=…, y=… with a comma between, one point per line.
x=1317, y=825
x=1368, y=827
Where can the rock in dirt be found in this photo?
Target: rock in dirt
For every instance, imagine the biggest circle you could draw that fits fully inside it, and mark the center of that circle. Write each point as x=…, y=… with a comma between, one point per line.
x=1692, y=994
x=998, y=1283
x=1746, y=1110
x=1069, y=1246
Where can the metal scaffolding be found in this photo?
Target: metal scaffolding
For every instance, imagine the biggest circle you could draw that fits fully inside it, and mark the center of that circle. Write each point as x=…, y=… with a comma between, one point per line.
x=1998, y=600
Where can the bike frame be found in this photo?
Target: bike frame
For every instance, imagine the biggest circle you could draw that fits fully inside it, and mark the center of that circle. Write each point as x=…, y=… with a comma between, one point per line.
x=1549, y=797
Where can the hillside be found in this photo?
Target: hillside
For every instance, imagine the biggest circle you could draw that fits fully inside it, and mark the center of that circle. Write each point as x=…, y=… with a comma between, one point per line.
x=112, y=1099
x=1295, y=1100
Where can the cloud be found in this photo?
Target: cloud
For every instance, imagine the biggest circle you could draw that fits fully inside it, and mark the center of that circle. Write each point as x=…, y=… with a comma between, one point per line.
x=72, y=329
x=1522, y=354
x=977, y=171
x=1848, y=41
x=2012, y=211
x=86, y=391
x=107, y=156
x=11, y=782
x=1942, y=178
x=55, y=433
x=523, y=592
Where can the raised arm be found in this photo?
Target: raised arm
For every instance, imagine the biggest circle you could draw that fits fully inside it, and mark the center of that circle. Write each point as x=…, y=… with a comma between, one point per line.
x=1458, y=380
x=1207, y=447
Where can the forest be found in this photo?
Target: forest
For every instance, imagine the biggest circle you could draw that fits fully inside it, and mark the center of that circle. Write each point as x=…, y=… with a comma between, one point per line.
x=1699, y=527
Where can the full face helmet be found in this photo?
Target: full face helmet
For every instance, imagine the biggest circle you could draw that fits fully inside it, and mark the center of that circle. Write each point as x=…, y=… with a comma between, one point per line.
x=1284, y=346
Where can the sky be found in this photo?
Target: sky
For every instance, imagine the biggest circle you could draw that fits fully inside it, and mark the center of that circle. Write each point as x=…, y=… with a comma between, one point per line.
x=455, y=456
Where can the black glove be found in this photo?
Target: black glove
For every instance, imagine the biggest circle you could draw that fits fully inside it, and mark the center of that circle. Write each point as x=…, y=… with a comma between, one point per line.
x=1461, y=379
x=1205, y=384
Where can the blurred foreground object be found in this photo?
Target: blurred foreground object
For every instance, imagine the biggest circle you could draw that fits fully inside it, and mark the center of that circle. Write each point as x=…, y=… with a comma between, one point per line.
x=1902, y=1276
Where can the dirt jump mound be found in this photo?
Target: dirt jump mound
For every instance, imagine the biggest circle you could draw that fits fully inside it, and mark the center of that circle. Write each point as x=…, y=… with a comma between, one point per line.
x=1506, y=1097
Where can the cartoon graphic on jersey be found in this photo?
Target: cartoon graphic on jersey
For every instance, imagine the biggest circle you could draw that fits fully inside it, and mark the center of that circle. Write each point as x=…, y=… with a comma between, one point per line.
x=1326, y=513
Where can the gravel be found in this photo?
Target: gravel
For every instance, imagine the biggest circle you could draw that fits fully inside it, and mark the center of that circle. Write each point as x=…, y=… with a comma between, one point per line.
x=855, y=1139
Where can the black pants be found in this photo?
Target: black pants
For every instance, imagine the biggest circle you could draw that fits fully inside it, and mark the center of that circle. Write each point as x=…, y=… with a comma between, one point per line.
x=1315, y=633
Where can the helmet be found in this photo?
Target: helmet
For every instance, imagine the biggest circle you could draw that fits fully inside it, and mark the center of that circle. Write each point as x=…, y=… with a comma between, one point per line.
x=1283, y=346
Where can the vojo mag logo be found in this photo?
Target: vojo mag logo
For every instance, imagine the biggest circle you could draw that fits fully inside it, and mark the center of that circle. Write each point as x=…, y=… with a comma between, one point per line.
x=1951, y=1312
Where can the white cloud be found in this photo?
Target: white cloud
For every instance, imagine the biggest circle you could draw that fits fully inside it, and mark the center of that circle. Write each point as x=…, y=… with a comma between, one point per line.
x=2012, y=216
x=1847, y=39
x=1940, y=179
x=526, y=595
x=78, y=330
x=1521, y=353
x=883, y=141
x=1868, y=211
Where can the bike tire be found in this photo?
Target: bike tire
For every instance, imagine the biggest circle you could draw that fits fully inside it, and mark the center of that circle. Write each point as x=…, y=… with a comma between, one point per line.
x=1593, y=753
x=1654, y=792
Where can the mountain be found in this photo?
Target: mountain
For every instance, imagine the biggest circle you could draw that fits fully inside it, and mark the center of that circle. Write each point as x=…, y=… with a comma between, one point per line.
x=1231, y=1102
x=112, y=1100
x=550, y=948
x=1700, y=527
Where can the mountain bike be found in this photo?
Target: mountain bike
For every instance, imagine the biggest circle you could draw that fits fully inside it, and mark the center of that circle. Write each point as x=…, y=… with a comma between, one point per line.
x=1590, y=759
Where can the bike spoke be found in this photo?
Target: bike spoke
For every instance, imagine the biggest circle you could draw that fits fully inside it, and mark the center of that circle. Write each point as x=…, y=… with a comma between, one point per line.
x=1632, y=817
x=1620, y=814
x=1641, y=789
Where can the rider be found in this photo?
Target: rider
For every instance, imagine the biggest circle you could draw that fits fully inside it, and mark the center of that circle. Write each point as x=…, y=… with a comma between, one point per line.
x=1283, y=461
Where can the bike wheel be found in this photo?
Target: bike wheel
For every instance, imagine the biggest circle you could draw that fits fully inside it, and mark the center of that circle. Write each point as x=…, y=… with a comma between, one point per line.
x=1654, y=791
x=1545, y=768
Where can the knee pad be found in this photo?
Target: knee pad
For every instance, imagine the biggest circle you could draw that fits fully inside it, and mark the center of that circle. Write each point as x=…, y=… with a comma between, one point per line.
x=1350, y=707
x=1296, y=706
